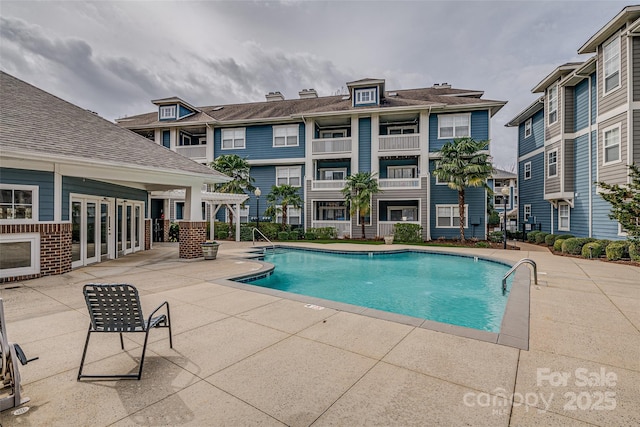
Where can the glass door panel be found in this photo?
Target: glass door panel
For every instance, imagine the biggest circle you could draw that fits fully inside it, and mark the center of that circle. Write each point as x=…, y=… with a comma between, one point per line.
x=104, y=230
x=91, y=231
x=136, y=228
x=119, y=224
x=76, y=219
x=129, y=229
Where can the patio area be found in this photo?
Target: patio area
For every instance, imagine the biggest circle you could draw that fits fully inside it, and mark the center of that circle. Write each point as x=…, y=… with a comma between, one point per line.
x=246, y=358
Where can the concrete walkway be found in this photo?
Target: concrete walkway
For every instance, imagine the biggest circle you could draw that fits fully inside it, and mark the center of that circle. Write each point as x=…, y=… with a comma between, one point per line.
x=245, y=358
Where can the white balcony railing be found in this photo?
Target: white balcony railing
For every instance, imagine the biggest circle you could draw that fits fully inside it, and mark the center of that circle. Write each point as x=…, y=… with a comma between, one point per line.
x=385, y=228
x=192, y=151
x=402, y=183
x=342, y=227
x=327, y=184
x=331, y=145
x=399, y=142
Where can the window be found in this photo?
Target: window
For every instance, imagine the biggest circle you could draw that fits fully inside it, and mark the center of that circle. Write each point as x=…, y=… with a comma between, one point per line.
x=402, y=213
x=167, y=112
x=527, y=128
x=438, y=182
x=179, y=212
x=401, y=130
x=527, y=212
x=398, y=172
x=285, y=136
x=333, y=174
x=448, y=216
x=331, y=211
x=185, y=139
x=611, y=145
x=19, y=254
x=294, y=216
x=18, y=202
x=233, y=138
x=553, y=105
x=289, y=175
x=527, y=170
x=367, y=218
x=244, y=214
x=611, y=56
x=333, y=134
x=563, y=216
x=454, y=126
x=552, y=163
x=365, y=96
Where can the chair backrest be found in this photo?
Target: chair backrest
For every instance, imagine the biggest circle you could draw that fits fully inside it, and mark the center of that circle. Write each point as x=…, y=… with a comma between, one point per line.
x=114, y=307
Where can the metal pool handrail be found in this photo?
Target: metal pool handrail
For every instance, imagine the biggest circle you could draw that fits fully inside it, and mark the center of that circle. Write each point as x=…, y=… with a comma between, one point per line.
x=253, y=235
x=518, y=264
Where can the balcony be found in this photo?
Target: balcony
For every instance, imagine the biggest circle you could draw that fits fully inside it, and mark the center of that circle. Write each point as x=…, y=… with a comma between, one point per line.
x=399, y=183
x=342, y=227
x=327, y=185
x=385, y=228
x=399, y=142
x=331, y=145
x=192, y=151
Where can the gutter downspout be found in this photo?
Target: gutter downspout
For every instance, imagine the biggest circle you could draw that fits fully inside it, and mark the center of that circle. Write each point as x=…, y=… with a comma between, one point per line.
x=590, y=160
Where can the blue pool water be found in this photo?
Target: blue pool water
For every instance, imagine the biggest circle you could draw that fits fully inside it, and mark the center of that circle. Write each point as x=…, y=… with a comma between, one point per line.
x=444, y=288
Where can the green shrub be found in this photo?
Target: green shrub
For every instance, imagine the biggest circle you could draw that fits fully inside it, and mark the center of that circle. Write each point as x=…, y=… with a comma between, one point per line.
x=174, y=232
x=604, y=243
x=409, y=233
x=540, y=237
x=246, y=234
x=496, y=236
x=617, y=250
x=283, y=235
x=557, y=245
x=573, y=245
x=634, y=251
x=483, y=245
x=310, y=235
x=564, y=236
x=325, y=233
x=294, y=235
x=221, y=229
x=531, y=236
x=592, y=250
x=550, y=239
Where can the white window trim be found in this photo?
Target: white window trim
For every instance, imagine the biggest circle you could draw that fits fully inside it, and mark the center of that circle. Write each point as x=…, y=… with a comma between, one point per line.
x=568, y=227
x=289, y=169
x=604, y=146
x=184, y=137
x=233, y=147
x=454, y=125
x=291, y=212
x=438, y=182
x=401, y=128
x=614, y=39
x=395, y=208
x=296, y=133
x=35, y=205
x=413, y=167
x=202, y=140
x=34, y=268
x=524, y=173
x=557, y=99
x=342, y=131
x=322, y=170
x=317, y=208
x=555, y=150
x=455, y=205
x=528, y=128
x=525, y=214
x=373, y=93
x=165, y=109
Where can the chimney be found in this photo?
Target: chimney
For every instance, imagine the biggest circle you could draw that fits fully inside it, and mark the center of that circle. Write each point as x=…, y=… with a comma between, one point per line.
x=441, y=86
x=308, y=93
x=274, y=96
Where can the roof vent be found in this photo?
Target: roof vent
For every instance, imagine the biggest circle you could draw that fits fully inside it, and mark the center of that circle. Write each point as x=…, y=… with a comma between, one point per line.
x=392, y=94
x=274, y=96
x=218, y=108
x=308, y=93
x=441, y=86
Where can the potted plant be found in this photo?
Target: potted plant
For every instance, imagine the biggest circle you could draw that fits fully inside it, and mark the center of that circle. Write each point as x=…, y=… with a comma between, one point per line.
x=388, y=240
x=210, y=249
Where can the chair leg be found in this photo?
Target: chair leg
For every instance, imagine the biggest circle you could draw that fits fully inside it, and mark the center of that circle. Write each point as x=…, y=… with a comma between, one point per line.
x=169, y=324
x=144, y=350
x=84, y=353
x=121, y=341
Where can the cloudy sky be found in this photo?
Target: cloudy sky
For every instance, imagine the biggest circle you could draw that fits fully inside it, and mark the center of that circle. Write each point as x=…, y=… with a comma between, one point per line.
x=113, y=57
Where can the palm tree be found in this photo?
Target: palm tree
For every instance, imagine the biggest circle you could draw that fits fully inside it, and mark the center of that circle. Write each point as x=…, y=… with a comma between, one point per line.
x=358, y=190
x=237, y=168
x=283, y=196
x=464, y=163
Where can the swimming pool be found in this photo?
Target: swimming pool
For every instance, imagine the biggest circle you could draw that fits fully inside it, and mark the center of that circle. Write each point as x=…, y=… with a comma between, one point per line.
x=457, y=290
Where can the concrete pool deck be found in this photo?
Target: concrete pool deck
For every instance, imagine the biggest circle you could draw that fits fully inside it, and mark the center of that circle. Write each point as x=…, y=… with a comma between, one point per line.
x=246, y=358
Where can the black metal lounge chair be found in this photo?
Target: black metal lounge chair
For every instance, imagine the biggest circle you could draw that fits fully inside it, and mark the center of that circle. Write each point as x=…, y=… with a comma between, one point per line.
x=115, y=308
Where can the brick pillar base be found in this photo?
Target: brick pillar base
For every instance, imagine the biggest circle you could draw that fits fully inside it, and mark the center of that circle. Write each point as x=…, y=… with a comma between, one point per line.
x=147, y=234
x=192, y=234
x=165, y=228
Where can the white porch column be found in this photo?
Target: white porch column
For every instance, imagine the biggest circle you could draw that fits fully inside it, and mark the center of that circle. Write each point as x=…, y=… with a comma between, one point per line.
x=355, y=148
x=210, y=152
x=375, y=143
x=173, y=139
x=237, y=218
x=157, y=136
x=193, y=204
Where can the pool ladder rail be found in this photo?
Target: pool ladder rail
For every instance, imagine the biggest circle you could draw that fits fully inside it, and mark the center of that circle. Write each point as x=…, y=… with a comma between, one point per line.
x=513, y=269
x=253, y=235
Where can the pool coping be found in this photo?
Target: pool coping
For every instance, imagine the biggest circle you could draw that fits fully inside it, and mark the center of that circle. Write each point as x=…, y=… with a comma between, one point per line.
x=514, y=329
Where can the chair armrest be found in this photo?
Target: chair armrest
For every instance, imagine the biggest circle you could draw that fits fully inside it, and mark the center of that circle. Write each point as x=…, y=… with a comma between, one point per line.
x=158, y=308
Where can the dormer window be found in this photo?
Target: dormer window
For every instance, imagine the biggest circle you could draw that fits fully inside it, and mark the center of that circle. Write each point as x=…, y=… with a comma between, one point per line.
x=167, y=112
x=365, y=96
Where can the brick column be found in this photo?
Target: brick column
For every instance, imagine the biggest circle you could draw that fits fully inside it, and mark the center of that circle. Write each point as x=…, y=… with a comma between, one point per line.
x=165, y=228
x=147, y=234
x=192, y=234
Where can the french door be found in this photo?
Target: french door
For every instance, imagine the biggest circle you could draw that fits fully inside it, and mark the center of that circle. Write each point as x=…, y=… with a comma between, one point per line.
x=89, y=230
x=129, y=225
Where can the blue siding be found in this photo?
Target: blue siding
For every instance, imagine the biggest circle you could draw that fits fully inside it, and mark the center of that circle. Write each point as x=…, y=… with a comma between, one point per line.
x=531, y=192
x=536, y=140
x=259, y=144
x=166, y=138
x=475, y=197
x=44, y=181
x=479, y=129
x=97, y=188
x=594, y=99
x=581, y=111
x=364, y=144
x=579, y=219
x=603, y=226
x=183, y=111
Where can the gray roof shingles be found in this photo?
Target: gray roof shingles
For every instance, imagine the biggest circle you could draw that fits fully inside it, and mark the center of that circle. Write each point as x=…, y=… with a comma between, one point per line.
x=34, y=121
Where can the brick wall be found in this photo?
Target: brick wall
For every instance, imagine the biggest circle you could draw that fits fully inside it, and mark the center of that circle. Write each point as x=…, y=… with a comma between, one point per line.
x=147, y=234
x=192, y=234
x=166, y=224
x=55, y=247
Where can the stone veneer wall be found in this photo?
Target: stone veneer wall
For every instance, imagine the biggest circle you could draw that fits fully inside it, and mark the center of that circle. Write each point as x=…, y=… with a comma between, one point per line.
x=192, y=234
x=55, y=247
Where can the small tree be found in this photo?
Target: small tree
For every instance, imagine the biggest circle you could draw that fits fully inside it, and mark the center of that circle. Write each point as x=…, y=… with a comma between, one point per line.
x=625, y=203
x=237, y=168
x=358, y=191
x=464, y=163
x=281, y=197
